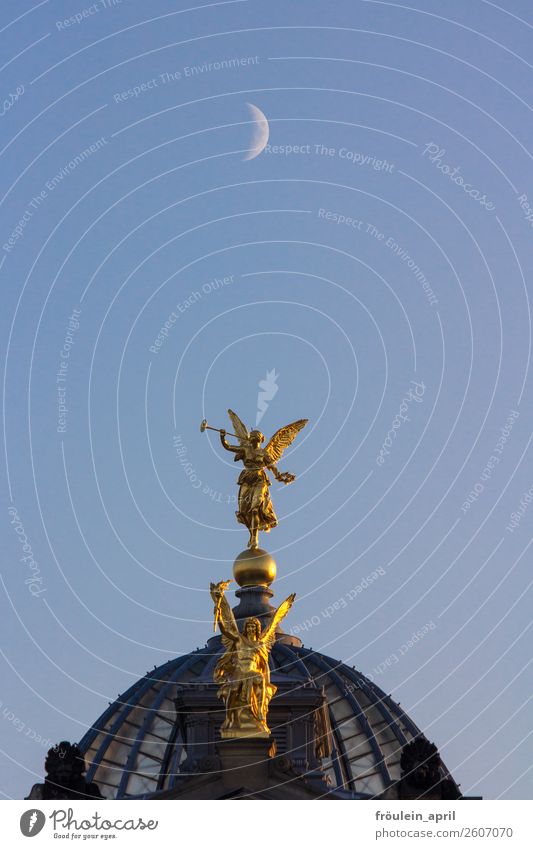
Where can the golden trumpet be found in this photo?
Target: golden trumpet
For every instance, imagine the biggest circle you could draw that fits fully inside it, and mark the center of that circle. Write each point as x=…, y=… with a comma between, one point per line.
x=204, y=426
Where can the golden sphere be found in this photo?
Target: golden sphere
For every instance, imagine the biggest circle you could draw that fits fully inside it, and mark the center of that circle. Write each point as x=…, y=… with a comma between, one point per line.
x=254, y=568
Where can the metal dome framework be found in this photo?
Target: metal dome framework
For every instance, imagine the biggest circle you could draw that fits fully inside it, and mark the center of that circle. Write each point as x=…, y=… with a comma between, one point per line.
x=136, y=748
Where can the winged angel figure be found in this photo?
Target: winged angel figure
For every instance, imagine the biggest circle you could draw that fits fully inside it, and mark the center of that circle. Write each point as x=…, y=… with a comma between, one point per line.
x=243, y=671
x=255, y=507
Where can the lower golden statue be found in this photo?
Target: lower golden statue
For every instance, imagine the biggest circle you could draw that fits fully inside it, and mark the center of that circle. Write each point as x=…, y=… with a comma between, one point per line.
x=243, y=671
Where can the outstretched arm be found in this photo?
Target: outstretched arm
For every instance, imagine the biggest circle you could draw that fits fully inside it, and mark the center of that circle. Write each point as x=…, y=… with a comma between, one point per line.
x=227, y=632
x=223, y=613
x=226, y=444
x=282, y=477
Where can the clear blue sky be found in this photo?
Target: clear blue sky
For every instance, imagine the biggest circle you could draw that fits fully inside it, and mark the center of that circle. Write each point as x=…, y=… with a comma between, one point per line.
x=377, y=257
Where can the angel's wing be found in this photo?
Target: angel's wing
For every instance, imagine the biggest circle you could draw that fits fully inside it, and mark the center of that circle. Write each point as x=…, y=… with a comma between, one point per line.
x=240, y=429
x=226, y=617
x=269, y=635
x=282, y=439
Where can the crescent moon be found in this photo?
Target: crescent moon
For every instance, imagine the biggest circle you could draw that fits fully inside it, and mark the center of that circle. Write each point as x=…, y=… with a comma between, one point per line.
x=261, y=132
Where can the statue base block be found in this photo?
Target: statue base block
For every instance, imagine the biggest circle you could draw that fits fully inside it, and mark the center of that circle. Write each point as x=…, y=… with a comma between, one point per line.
x=245, y=761
x=237, y=733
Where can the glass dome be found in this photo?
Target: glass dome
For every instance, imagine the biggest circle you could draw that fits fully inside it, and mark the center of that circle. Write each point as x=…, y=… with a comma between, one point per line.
x=139, y=747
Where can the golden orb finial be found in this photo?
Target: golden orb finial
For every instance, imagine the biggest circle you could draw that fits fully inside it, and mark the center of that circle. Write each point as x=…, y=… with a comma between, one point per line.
x=254, y=567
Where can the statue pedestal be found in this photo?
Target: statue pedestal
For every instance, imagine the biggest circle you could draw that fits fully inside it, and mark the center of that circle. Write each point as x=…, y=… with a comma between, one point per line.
x=245, y=761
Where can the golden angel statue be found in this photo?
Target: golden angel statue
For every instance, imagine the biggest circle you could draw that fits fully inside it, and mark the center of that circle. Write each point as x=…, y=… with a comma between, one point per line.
x=243, y=671
x=255, y=507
